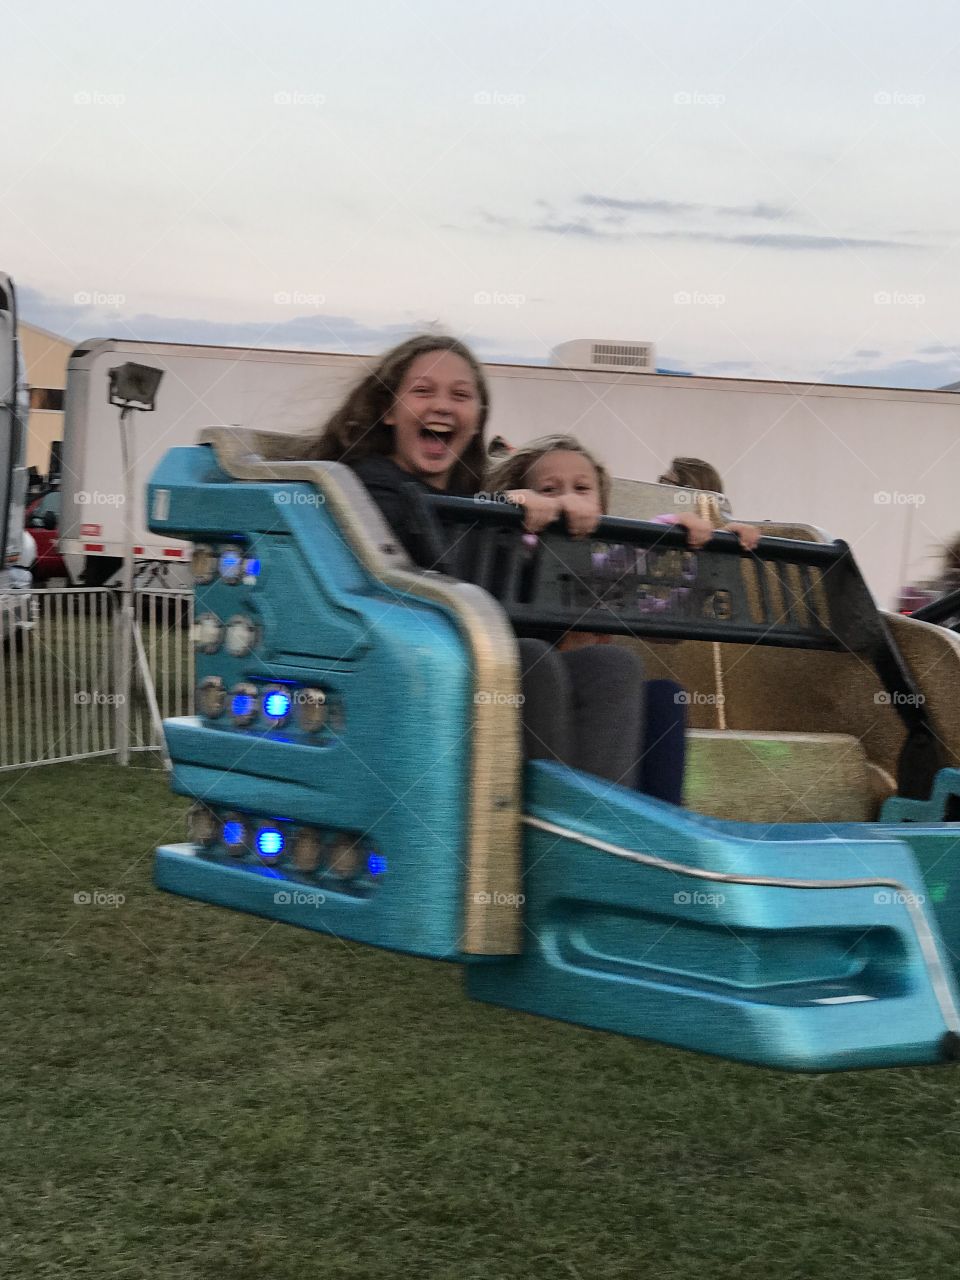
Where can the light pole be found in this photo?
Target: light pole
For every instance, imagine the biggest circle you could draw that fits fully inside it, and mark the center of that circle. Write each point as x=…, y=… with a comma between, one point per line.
x=132, y=386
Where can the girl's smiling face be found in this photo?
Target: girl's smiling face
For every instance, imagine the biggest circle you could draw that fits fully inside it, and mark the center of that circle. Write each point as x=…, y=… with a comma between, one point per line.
x=434, y=417
x=563, y=473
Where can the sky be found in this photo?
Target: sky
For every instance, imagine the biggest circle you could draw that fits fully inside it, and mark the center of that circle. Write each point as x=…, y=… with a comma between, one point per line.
x=761, y=189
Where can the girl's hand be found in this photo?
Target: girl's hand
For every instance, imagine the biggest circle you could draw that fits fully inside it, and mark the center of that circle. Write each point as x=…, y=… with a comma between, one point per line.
x=582, y=512
x=748, y=534
x=539, y=510
x=699, y=531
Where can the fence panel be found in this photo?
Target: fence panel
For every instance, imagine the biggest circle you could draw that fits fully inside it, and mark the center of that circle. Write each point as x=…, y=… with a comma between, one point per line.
x=59, y=691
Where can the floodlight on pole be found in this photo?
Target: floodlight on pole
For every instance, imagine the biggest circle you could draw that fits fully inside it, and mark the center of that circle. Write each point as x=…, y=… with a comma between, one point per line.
x=132, y=387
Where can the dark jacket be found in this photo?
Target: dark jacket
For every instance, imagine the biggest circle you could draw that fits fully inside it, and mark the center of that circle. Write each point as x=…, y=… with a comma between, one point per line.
x=391, y=487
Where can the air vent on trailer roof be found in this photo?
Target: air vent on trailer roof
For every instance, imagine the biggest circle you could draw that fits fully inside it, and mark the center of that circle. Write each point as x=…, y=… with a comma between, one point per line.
x=602, y=353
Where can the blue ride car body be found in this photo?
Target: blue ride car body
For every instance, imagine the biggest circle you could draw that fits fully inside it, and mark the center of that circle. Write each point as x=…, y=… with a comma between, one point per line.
x=805, y=946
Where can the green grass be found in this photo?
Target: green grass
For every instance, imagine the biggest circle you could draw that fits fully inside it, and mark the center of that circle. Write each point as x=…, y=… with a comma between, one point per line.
x=191, y=1093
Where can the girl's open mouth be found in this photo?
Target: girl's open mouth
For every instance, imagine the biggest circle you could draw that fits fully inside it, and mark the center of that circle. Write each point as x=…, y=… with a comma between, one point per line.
x=435, y=440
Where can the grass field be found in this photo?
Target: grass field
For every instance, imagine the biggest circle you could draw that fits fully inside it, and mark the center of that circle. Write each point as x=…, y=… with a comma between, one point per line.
x=188, y=1093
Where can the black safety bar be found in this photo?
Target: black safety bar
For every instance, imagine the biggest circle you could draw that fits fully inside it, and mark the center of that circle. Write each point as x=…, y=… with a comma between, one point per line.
x=633, y=577
x=939, y=610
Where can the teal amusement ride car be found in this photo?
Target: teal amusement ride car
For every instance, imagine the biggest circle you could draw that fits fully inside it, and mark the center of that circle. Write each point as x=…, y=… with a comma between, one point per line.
x=356, y=768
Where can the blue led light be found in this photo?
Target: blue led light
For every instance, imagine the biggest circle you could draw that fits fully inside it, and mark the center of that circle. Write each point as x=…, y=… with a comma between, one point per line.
x=233, y=833
x=276, y=705
x=251, y=569
x=230, y=563
x=269, y=842
x=376, y=864
x=242, y=704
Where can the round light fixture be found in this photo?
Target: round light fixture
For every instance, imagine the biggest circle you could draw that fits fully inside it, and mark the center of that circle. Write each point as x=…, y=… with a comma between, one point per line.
x=203, y=563
x=244, y=704
x=241, y=636
x=207, y=633
x=211, y=698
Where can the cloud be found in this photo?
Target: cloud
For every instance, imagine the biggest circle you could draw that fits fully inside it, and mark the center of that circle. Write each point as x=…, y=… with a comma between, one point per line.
x=613, y=219
x=920, y=375
x=322, y=331
x=766, y=212
x=791, y=241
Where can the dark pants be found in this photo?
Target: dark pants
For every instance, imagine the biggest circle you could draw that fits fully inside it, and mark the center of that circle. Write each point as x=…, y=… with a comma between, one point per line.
x=592, y=709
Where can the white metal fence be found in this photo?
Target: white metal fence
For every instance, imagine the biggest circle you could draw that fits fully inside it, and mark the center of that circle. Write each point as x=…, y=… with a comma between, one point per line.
x=65, y=693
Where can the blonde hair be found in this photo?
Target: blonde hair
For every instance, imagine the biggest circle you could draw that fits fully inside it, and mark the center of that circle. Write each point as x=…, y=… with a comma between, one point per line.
x=511, y=472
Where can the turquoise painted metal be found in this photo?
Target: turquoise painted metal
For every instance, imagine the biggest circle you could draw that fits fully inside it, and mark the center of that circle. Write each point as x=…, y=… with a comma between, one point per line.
x=801, y=947
x=837, y=961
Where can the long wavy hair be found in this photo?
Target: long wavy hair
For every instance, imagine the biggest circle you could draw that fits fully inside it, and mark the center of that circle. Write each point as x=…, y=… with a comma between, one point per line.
x=694, y=473
x=511, y=472
x=357, y=429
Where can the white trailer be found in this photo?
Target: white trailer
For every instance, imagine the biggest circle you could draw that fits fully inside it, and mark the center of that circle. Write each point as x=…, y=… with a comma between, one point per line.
x=877, y=467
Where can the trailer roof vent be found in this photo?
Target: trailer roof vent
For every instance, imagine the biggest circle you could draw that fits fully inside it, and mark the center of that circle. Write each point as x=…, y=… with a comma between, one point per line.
x=604, y=353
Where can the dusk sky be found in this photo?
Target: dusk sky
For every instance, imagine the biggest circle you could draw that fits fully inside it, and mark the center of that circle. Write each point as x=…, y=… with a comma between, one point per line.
x=766, y=190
